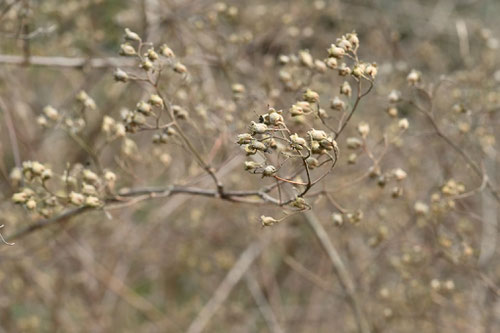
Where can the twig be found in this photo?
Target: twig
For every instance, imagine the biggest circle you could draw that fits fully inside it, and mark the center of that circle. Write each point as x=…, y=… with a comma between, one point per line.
x=307, y=274
x=340, y=271
x=12, y=133
x=232, y=278
x=67, y=62
x=261, y=301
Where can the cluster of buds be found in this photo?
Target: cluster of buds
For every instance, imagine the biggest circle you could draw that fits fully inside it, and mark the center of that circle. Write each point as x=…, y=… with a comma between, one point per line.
x=439, y=286
x=87, y=187
x=50, y=116
x=137, y=119
x=86, y=101
x=320, y=142
x=112, y=129
x=74, y=123
x=345, y=47
x=25, y=197
x=151, y=60
x=452, y=188
x=164, y=136
x=82, y=187
x=33, y=170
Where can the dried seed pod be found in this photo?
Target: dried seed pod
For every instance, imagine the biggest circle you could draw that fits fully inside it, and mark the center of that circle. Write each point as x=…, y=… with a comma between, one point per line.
x=267, y=221
x=269, y=170
x=120, y=75
x=131, y=36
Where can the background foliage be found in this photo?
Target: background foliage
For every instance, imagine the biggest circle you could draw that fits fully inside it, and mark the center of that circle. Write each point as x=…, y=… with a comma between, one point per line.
x=424, y=255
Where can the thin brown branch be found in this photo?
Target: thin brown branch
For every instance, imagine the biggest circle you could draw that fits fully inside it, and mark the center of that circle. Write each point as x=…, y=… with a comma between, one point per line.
x=340, y=270
x=261, y=301
x=222, y=292
x=67, y=62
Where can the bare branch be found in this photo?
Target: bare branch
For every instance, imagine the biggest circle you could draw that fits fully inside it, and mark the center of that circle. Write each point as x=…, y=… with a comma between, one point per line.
x=340, y=270
x=232, y=278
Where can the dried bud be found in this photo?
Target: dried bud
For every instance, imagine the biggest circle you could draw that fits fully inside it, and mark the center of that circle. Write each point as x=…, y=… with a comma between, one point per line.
x=413, y=78
x=399, y=174
x=109, y=176
x=249, y=150
x=312, y=162
x=297, y=139
x=337, y=104
x=92, y=201
x=435, y=284
x=31, y=204
x=86, y=100
x=284, y=59
x=258, y=145
x=337, y=219
x=357, y=71
x=131, y=36
x=346, y=89
x=296, y=110
x=16, y=175
x=371, y=70
x=403, y=124
x=311, y=96
x=394, y=96
x=167, y=51
x=392, y=111
x=269, y=170
x=320, y=66
x=353, y=143
x=88, y=189
x=344, y=44
x=120, y=75
x=76, y=199
x=51, y=112
x=244, y=138
x=274, y=117
x=144, y=108
x=397, y=192
x=336, y=52
x=251, y=165
x=257, y=128
x=331, y=63
x=156, y=100
x=20, y=197
x=127, y=50
x=363, y=129
x=355, y=217
x=344, y=70
x=180, y=68
x=317, y=135
x=238, y=88
x=306, y=58
x=353, y=38
x=90, y=176
x=421, y=208
x=352, y=158
x=267, y=221
x=46, y=174
x=37, y=168
x=146, y=65
x=42, y=121
x=180, y=112
x=152, y=55
x=449, y=285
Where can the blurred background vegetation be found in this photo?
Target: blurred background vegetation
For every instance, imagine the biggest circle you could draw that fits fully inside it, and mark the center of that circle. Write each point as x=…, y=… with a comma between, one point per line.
x=153, y=266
